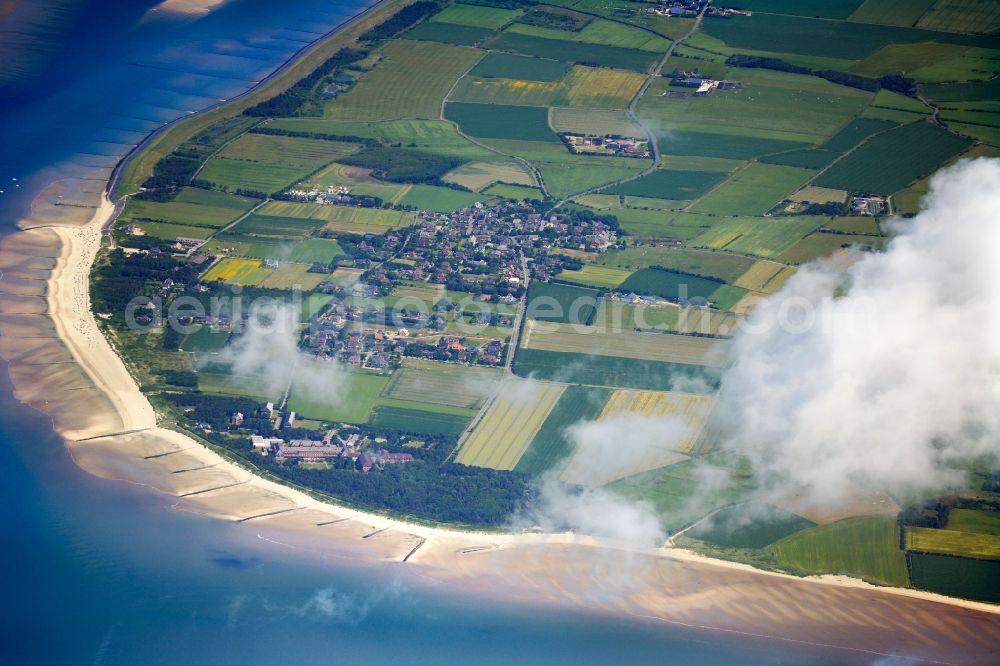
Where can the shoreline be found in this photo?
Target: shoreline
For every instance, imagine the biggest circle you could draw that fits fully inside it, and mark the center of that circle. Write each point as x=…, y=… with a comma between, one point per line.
x=61, y=364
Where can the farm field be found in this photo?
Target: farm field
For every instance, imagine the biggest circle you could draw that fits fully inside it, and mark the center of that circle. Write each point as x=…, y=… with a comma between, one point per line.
x=566, y=177
x=593, y=121
x=321, y=250
x=497, y=121
x=753, y=191
x=572, y=51
x=813, y=194
x=758, y=275
x=360, y=394
x=890, y=161
x=833, y=9
x=690, y=409
x=553, y=302
x=480, y=175
x=293, y=276
x=652, y=223
x=552, y=445
x=442, y=383
x=474, y=15
x=509, y=425
x=224, y=383
x=497, y=65
x=867, y=547
x=971, y=520
x=615, y=371
x=956, y=576
x=416, y=421
x=267, y=224
x=410, y=81
x=515, y=192
x=669, y=285
x=205, y=340
x=749, y=526
x=309, y=154
x=244, y=272
x=982, y=16
x=820, y=245
x=448, y=33
x=670, y=184
x=663, y=347
x=191, y=207
x=761, y=236
x=437, y=199
x=903, y=13
x=721, y=145
x=229, y=174
x=725, y=267
x=620, y=315
x=346, y=219
x=951, y=542
x=602, y=32
x=173, y=231
x=595, y=276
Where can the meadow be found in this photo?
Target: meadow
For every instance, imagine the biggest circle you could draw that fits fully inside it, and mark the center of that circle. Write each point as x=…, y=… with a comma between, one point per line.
x=621, y=315
x=280, y=226
x=552, y=445
x=321, y=250
x=478, y=176
x=867, y=547
x=510, y=424
x=716, y=144
x=725, y=267
x=894, y=159
x=309, y=154
x=448, y=33
x=819, y=245
x=590, y=275
x=572, y=51
x=758, y=275
x=205, y=340
x=232, y=175
x=437, y=199
x=192, y=206
x=476, y=15
x=409, y=81
x=971, y=520
x=515, y=192
x=173, y=231
x=619, y=372
x=599, y=32
x=593, y=121
x=903, y=13
x=569, y=175
x=345, y=219
x=244, y=272
x=662, y=347
x=832, y=9
x=417, y=422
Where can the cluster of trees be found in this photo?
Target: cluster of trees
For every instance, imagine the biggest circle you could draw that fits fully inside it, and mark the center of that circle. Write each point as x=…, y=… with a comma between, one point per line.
x=125, y=277
x=544, y=19
x=321, y=136
x=170, y=174
x=500, y=4
x=292, y=101
x=893, y=82
x=401, y=20
x=829, y=208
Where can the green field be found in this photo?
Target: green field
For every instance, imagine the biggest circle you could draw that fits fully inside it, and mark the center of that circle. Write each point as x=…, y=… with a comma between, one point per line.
x=726, y=267
x=866, y=547
x=275, y=225
x=443, y=384
x=599, y=32
x=594, y=121
x=832, y=9
x=561, y=303
x=961, y=577
x=509, y=66
x=232, y=175
x=437, y=199
x=951, y=542
x=417, y=421
x=971, y=520
x=607, y=370
x=321, y=250
x=410, y=81
x=173, y=231
x=347, y=219
x=760, y=236
x=669, y=285
x=977, y=16
x=571, y=51
x=670, y=184
x=753, y=190
x=590, y=275
x=730, y=146
x=474, y=15
x=894, y=159
x=749, y=526
x=309, y=154
x=360, y=393
x=578, y=173
x=192, y=206
x=515, y=192
x=205, y=340
x=904, y=13
x=551, y=445
x=448, y=33
x=820, y=245
x=497, y=121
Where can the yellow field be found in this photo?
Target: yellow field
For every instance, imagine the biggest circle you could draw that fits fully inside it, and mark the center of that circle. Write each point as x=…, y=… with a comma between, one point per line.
x=626, y=344
x=665, y=427
x=693, y=409
x=706, y=321
x=759, y=274
x=479, y=175
x=814, y=194
x=506, y=91
x=511, y=422
x=246, y=272
x=410, y=81
x=950, y=542
x=599, y=88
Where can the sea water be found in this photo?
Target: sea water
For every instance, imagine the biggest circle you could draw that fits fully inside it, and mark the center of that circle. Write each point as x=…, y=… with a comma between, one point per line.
x=103, y=572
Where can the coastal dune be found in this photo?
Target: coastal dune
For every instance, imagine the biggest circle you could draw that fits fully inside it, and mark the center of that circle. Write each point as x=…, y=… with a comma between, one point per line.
x=62, y=365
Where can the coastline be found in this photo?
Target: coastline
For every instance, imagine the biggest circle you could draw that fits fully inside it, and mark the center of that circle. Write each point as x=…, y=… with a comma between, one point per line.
x=61, y=364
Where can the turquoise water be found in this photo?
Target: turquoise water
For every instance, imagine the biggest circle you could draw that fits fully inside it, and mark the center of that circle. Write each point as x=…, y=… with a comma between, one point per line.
x=103, y=572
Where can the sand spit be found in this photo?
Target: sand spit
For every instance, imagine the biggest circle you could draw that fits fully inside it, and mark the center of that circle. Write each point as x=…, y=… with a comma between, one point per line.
x=186, y=7
x=62, y=365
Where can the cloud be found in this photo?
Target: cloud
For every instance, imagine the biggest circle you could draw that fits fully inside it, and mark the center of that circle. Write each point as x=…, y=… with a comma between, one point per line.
x=884, y=376
x=268, y=354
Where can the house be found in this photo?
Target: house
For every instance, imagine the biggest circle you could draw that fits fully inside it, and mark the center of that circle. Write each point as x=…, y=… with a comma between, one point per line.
x=236, y=419
x=264, y=444
x=307, y=450
x=266, y=410
x=288, y=420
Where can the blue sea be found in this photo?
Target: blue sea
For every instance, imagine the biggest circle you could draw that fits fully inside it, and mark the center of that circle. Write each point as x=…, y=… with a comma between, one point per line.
x=103, y=572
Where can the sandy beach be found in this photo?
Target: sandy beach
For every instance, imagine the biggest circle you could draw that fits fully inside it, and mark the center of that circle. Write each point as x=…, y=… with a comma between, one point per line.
x=61, y=364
